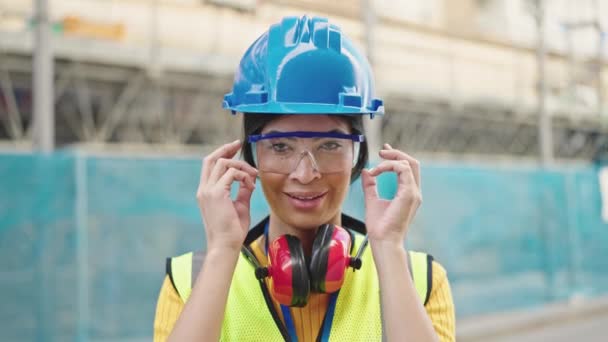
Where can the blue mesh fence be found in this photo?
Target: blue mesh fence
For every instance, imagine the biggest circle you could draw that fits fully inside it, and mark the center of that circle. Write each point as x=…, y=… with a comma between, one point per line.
x=83, y=238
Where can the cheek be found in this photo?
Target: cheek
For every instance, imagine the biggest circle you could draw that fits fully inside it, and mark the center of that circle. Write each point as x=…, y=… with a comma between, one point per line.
x=339, y=184
x=272, y=185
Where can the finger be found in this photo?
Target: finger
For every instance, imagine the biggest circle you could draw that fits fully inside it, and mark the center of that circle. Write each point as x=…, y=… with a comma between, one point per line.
x=225, y=151
x=235, y=175
x=370, y=190
x=394, y=154
x=389, y=165
x=223, y=164
x=243, y=197
x=400, y=167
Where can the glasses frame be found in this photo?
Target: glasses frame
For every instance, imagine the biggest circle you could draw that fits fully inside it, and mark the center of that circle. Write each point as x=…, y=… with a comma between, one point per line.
x=356, y=138
x=305, y=134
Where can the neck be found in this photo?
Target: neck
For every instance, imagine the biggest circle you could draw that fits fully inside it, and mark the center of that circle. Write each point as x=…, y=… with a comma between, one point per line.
x=306, y=235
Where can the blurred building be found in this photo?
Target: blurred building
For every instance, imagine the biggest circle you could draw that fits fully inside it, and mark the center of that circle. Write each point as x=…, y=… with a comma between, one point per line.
x=458, y=76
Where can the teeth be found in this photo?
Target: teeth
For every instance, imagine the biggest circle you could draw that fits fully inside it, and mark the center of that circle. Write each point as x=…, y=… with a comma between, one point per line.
x=306, y=198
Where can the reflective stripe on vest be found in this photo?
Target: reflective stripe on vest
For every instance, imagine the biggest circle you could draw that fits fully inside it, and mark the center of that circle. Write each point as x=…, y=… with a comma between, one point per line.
x=245, y=316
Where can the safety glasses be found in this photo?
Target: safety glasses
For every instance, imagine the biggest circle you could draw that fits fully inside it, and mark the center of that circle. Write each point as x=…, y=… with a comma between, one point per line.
x=282, y=152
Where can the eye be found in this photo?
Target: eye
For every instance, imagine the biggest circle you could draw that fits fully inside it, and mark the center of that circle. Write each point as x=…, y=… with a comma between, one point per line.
x=280, y=147
x=331, y=146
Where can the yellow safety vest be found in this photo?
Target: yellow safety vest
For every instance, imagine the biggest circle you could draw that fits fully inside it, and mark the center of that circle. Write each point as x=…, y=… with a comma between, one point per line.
x=357, y=315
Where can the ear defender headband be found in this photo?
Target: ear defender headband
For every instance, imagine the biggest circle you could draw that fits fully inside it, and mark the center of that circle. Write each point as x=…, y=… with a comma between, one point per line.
x=292, y=278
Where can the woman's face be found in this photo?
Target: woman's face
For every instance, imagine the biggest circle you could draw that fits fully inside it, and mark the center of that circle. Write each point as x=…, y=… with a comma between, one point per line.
x=306, y=198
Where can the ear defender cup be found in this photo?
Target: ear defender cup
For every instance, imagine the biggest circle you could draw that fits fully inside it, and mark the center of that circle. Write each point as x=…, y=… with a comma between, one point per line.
x=289, y=281
x=330, y=259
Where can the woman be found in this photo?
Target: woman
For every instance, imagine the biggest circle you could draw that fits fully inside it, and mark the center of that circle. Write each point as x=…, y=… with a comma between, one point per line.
x=303, y=88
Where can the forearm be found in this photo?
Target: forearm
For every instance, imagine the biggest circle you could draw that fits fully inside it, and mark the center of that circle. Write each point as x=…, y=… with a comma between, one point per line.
x=404, y=316
x=201, y=319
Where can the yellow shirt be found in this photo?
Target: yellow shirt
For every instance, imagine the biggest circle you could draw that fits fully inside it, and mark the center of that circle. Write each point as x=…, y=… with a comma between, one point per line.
x=307, y=320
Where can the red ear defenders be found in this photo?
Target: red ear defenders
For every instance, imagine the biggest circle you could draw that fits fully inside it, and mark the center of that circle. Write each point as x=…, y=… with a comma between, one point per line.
x=293, y=277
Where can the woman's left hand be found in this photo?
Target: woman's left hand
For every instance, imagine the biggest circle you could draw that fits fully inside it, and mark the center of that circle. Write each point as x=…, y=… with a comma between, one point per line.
x=389, y=220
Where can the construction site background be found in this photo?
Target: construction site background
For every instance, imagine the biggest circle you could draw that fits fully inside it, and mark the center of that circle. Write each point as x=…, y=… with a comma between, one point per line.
x=136, y=95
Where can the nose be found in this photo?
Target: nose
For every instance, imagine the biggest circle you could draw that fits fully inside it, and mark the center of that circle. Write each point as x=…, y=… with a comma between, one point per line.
x=306, y=169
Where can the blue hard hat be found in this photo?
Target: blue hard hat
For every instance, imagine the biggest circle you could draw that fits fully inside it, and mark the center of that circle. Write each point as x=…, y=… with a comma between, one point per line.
x=303, y=66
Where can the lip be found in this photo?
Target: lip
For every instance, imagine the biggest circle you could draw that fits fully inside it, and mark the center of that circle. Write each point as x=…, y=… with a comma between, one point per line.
x=302, y=204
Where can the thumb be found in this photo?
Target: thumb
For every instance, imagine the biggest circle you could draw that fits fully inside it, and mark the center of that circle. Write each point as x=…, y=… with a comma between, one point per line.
x=369, y=185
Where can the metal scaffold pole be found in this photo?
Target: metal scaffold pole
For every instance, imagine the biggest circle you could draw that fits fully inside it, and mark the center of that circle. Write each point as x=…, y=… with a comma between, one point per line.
x=373, y=127
x=600, y=59
x=44, y=114
x=544, y=120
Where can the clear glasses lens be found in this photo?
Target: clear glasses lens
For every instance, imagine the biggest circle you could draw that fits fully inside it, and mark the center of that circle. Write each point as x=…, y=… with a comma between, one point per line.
x=283, y=155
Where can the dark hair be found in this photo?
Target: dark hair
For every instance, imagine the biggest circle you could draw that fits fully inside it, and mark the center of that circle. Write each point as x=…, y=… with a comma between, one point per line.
x=254, y=123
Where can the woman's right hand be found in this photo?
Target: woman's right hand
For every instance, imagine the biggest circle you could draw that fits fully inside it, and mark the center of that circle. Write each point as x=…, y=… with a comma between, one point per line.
x=226, y=221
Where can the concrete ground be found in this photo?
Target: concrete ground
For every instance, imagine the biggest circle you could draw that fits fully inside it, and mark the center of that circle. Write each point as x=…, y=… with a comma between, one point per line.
x=582, y=321
x=590, y=329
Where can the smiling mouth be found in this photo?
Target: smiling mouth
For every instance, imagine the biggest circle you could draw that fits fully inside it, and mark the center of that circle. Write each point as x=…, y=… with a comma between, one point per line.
x=306, y=197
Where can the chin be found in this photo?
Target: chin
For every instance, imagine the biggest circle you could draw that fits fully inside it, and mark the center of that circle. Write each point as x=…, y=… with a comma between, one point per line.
x=306, y=221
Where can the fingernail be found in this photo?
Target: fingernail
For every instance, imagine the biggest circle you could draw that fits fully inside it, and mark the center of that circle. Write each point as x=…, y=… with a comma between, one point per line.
x=236, y=141
x=388, y=146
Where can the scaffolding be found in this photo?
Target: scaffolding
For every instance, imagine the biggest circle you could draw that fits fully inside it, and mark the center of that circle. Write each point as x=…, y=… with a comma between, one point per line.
x=585, y=69
x=436, y=128
x=122, y=100
x=106, y=92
